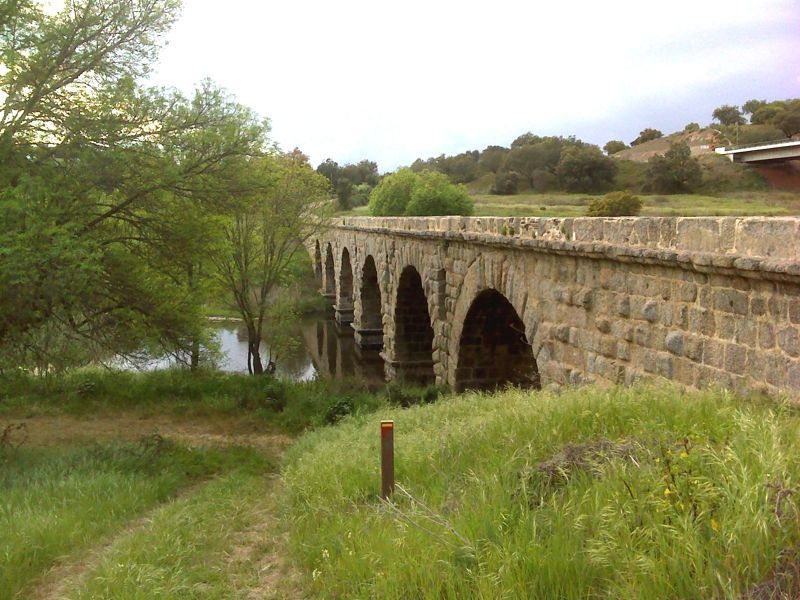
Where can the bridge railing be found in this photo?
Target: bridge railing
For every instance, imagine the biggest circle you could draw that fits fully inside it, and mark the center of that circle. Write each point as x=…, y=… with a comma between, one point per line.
x=757, y=144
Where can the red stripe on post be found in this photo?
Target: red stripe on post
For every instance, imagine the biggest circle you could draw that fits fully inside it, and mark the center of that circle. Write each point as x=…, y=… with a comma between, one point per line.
x=387, y=459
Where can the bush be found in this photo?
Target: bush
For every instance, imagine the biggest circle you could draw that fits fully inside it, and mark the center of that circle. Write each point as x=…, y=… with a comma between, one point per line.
x=433, y=195
x=428, y=193
x=505, y=183
x=615, y=204
x=614, y=146
x=675, y=172
x=585, y=169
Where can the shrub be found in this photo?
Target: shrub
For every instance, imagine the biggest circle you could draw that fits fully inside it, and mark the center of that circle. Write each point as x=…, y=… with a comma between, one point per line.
x=428, y=193
x=505, y=183
x=615, y=204
x=585, y=169
x=675, y=172
x=433, y=195
x=614, y=146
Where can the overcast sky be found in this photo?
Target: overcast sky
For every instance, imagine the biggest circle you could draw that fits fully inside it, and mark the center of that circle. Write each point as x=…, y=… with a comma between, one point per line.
x=394, y=81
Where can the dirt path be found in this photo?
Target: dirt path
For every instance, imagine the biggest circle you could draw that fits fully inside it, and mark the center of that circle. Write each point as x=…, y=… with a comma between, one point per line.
x=256, y=558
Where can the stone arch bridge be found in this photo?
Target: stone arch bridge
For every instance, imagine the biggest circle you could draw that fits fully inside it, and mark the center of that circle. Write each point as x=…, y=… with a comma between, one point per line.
x=481, y=302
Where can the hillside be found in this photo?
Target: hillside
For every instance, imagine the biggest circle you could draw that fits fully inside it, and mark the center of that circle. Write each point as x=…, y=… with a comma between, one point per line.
x=700, y=142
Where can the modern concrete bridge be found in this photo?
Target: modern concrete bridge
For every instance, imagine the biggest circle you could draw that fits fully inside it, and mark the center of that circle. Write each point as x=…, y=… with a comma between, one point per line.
x=763, y=152
x=481, y=302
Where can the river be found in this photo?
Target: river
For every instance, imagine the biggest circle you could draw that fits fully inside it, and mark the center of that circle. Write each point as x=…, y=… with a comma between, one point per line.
x=323, y=349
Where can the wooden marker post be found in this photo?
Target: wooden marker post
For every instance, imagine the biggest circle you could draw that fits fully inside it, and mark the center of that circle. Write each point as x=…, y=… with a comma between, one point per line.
x=387, y=459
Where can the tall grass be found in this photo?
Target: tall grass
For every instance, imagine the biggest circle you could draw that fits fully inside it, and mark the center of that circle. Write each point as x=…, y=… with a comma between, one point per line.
x=624, y=493
x=56, y=502
x=183, y=552
x=285, y=405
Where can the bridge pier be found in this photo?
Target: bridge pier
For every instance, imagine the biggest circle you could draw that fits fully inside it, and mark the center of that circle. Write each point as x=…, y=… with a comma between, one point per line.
x=343, y=314
x=368, y=339
x=418, y=372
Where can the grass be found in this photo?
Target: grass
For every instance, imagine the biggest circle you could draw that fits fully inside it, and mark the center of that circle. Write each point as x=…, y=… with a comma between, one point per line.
x=61, y=500
x=687, y=205
x=526, y=204
x=643, y=492
x=286, y=406
x=182, y=552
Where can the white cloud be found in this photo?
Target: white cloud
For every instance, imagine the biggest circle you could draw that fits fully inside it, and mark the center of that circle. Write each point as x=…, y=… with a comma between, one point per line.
x=391, y=81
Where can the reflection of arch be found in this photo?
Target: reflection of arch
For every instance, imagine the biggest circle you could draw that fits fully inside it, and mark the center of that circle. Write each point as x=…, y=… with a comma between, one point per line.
x=370, y=329
x=317, y=262
x=344, y=301
x=493, y=349
x=330, y=273
x=413, y=349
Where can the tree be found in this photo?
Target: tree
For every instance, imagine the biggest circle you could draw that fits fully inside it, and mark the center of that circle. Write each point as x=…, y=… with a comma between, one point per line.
x=426, y=193
x=330, y=170
x=728, y=115
x=614, y=146
x=433, y=195
x=690, y=127
x=491, y=159
x=391, y=196
x=788, y=121
x=674, y=172
x=751, y=106
x=98, y=176
x=525, y=139
x=262, y=234
x=647, y=135
x=585, y=169
x=531, y=159
x=505, y=183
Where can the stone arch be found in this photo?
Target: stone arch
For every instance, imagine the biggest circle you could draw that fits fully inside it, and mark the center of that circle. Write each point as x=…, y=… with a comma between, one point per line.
x=369, y=332
x=493, y=349
x=344, y=298
x=317, y=262
x=495, y=271
x=413, y=343
x=330, y=273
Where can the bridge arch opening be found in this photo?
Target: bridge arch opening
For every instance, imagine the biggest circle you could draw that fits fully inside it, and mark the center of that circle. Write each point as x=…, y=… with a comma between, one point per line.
x=330, y=273
x=345, y=299
x=317, y=262
x=413, y=331
x=371, y=324
x=493, y=350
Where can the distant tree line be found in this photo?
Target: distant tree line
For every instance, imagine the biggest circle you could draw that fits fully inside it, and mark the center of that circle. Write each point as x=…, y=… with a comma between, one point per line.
x=352, y=183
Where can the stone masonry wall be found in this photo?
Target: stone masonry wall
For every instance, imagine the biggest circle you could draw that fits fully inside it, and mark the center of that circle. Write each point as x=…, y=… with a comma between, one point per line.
x=695, y=300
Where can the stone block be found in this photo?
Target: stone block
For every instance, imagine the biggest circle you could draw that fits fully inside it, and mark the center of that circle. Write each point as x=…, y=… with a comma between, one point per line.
x=624, y=306
x=714, y=354
x=735, y=358
x=766, y=336
x=732, y=301
x=701, y=320
x=650, y=311
x=674, y=342
x=789, y=341
x=693, y=348
x=603, y=325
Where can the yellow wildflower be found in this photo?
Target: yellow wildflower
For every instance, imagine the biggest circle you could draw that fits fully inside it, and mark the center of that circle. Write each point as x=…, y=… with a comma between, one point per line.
x=667, y=492
x=684, y=455
x=714, y=525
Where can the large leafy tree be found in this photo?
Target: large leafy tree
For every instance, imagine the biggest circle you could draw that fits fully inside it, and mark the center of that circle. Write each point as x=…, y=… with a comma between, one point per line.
x=263, y=231
x=99, y=177
x=728, y=115
x=585, y=169
x=675, y=172
x=428, y=193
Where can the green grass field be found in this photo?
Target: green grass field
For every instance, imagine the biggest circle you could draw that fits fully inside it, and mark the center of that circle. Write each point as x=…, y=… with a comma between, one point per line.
x=173, y=485
x=752, y=203
x=592, y=493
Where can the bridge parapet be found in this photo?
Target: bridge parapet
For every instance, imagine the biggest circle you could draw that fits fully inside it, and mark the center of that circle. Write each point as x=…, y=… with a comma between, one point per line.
x=759, y=247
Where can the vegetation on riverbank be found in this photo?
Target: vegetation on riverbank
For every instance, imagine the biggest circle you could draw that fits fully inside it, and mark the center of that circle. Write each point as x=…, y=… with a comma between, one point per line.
x=675, y=205
x=605, y=493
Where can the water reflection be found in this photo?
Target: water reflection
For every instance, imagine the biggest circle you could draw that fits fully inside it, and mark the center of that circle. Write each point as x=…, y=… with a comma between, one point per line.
x=324, y=349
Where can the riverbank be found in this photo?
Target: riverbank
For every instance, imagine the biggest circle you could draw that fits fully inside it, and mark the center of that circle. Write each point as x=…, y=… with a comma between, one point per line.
x=174, y=483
